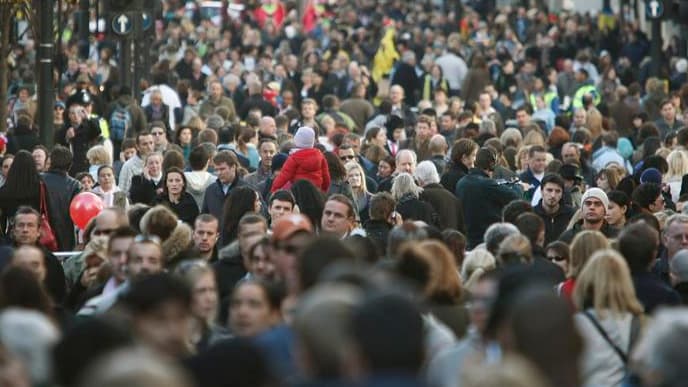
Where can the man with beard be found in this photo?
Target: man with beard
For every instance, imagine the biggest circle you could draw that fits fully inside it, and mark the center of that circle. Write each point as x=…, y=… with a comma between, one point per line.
x=551, y=209
x=593, y=208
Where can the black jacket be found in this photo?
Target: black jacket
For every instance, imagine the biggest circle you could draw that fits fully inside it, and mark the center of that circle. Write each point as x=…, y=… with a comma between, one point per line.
x=256, y=101
x=652, y=292
x=186, y=209
x=61, y=189
x=483, y=201
x=143, y=190
x=378, y=231
x=555, y=224
x=85, y=136
x=568, y=235
x=682, y=290
x=452, y=175
x=447, y=206
x=229, y=270
x=411, y=208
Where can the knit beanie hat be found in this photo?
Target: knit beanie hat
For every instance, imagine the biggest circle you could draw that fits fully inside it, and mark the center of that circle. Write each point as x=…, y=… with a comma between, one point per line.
x=597, y=194
x=651, y=175
x=304, y=137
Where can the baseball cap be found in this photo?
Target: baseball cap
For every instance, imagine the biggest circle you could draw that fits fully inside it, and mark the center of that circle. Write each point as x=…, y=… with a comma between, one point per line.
x=289, y=225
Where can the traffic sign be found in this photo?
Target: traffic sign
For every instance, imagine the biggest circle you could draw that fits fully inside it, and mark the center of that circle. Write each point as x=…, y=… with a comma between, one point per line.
x=147, y=21
x=121, y=24
x=654, y=9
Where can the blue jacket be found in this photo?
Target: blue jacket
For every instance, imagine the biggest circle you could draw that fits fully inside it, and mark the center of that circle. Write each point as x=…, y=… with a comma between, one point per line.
x=214, y=201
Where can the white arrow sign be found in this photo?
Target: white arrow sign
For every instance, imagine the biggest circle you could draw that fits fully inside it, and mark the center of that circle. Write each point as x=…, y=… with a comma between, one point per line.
x=655, y=9
x=122, y=21
x=121, y=24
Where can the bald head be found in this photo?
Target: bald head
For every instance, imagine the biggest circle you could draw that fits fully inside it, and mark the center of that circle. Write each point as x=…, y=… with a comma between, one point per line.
x=438, y=145
x=109, y=220
x=268, y=127
x=679, y=267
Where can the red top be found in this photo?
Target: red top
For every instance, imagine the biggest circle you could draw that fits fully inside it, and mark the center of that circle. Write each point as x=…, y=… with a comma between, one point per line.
x=309, y=164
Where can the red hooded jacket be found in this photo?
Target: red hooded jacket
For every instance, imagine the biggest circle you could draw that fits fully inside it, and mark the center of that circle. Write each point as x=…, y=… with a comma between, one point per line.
x=309, y=164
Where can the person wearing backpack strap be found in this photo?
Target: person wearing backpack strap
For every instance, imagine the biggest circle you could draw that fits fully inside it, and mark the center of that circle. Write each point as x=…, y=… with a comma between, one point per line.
x=125, y=119
x=610, y=318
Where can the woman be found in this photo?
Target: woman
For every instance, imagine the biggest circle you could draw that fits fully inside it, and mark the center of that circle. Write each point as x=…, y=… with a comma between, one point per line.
x=356, y=178
x=619, y=204
x=375, y=136
x=432, y=81
x=559, y=254
x=585, y=244
x=200, y=278
x=175, y=197
x=6, y=164
x=246, y=140
x=97, y=156
x=254, y=308
x=609, y=318
x=310, y=200
x=338, y=183
x=678, y=167
x=462, y=159
x=22, y=188
x=87, y=181
x=406, y=193
x=608, y=178
x=445, y=292
x=149, y=184
x=108, y=190
x=260, y=266
x=240, y=201
x=385, y=172
x=156, y=110
x=440, y=101
x=184, y=138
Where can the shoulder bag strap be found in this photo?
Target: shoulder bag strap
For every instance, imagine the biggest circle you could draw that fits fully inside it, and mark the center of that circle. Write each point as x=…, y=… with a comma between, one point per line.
x=43, y=204
x=606, y=337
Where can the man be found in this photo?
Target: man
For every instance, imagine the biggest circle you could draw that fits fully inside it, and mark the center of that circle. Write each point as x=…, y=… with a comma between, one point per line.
x=406, y=76
x=523, y=114
x=447, y=126
x=570, y=154
x=233, y=259
x=60, y=190
x=675, y=239
x=26, y=232
x=40, y=157
x=453, y=66
x=159, y=133
x=487, y=112
x=406, y=161
x=339, y=216
x=108, y=220
x=580, y=119
x=144, y=258
x=255, y=101
x=216, y=98
x=421, y=142
x=585, y=91
x=134, y=166
x=537, y=162
x=608, y=154
x=486, y=196
x=281, y=203
x=205, y=236
x=268, y=128
x=446, y=204
x=267, y=149
x=668, y=122
x=308, y=109
x=679, y=275
x=290, y=234
x=594, y=206
x=552, y=209
x=638, y=243
x=227, y=179
x=358, y=107
x=199, y=179
x=382, y=219
x=438, y=152
x=399, y=108
x=32, y=259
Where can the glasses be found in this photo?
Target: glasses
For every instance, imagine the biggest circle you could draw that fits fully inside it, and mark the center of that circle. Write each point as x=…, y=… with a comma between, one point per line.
x=104, y=231
x=148, y=238
x=556, y=258
x=344, y=158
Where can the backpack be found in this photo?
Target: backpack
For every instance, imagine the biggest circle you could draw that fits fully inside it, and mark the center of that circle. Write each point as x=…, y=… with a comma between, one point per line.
x=120, y=121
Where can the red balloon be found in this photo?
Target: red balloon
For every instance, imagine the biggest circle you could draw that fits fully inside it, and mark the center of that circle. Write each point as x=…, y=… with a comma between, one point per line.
x=84, y=207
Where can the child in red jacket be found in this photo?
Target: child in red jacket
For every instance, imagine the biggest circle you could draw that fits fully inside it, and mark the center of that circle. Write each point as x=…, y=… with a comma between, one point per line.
x=304, y=162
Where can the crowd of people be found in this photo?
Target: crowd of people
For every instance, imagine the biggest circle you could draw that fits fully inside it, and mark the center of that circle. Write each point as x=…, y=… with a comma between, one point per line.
x=352, y=193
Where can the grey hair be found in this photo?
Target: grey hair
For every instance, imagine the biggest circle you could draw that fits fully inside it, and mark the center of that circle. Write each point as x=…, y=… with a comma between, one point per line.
x=29, y=335
x=679, y=265
x=496, y=233
x=426, y=173
x=413, y=155
x=404, y=184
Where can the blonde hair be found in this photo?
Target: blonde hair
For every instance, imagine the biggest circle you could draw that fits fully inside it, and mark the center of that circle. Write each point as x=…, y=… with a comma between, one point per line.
x=605, y=284
x=519, y=155
x=512, y=371
x=594, y=123
x=404, y=184
x=678, y=164
x=535, y=137
x=585, y=244
x=476, y=263
x=98, y=155
x=446, y=282
x=352, y=166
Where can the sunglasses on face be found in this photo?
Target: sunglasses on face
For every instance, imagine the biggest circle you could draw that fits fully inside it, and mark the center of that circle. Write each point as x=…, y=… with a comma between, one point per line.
x=344, y=158
x=556, y=258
